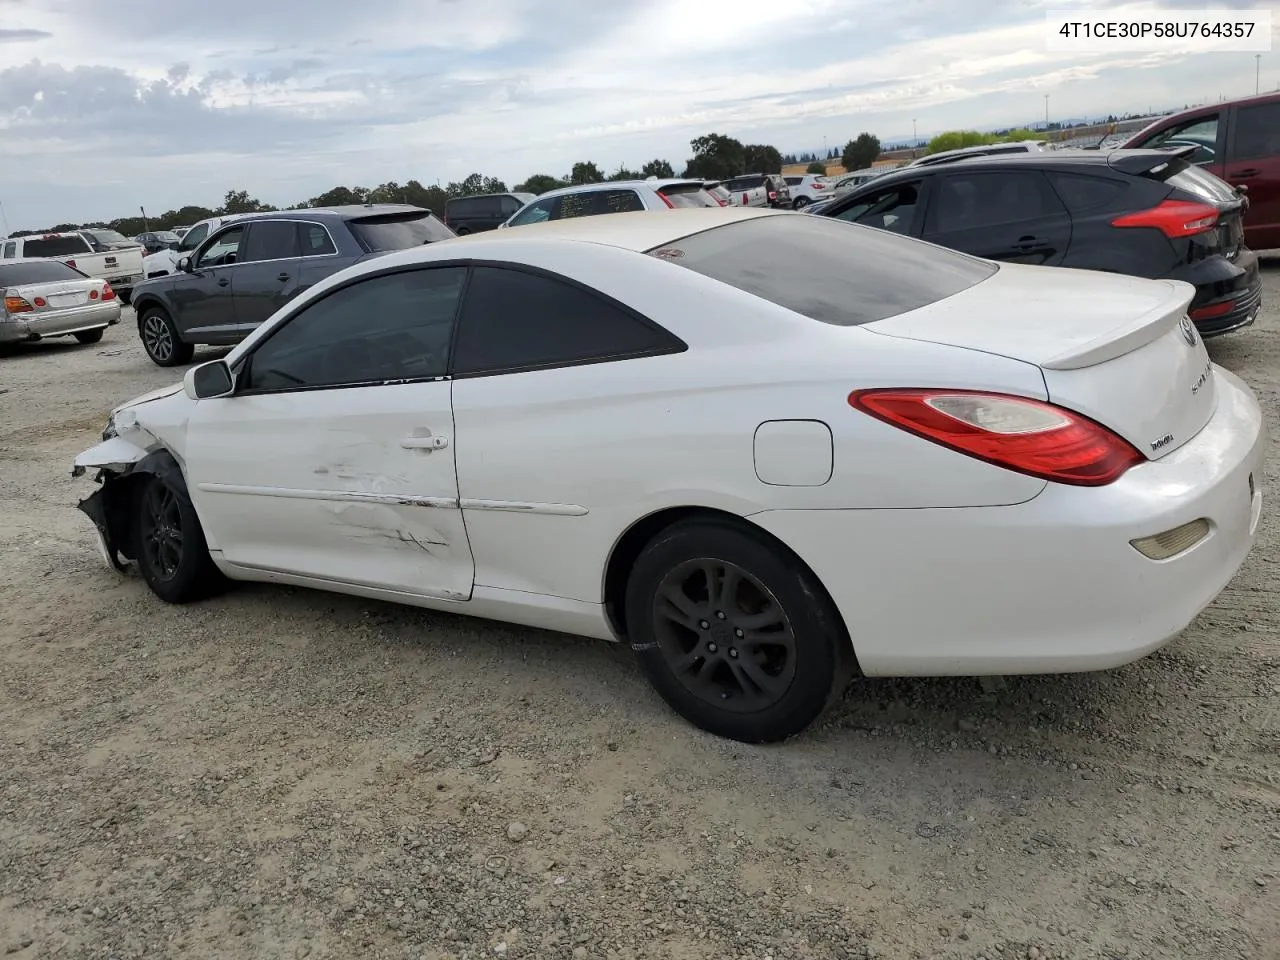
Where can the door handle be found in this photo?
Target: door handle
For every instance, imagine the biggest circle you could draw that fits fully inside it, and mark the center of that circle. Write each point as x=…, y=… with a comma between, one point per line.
x=424, y=443
x=283, y=277
x=223, y=281
x=1030, y=243
x=1244, y=174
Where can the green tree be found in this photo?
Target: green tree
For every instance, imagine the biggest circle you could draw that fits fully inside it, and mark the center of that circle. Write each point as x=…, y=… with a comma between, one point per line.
x=540, y=183
x=622, y=173
x=761, y=158
x=817, y=167
x=336, y=197
x=239, y=201
x=585, y=172
x=860, y=153
x=956, y=139
x=657, y=168
x=716, y=157
x=1021, y=133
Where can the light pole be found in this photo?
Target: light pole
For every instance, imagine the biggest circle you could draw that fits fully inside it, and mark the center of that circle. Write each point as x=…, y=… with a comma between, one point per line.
x=1257, y=73
x=915, y=137
x=1046, y=113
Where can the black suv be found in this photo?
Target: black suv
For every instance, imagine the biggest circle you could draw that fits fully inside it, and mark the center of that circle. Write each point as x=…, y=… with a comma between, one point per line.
x=483, y=211
x=1146, y=213
x=248, y=268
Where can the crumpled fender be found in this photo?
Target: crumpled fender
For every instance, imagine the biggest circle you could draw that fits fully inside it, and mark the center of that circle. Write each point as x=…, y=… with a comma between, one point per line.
x=111, y=506
x=116, y=454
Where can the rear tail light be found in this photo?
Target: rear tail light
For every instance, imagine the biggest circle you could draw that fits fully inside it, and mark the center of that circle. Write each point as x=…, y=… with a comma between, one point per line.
x=746, y=200
x=107, y=292
x=15, y=304
x=1173, y=218
x=1212, y=310
x=93, y=294
x=773, y=194
x=1028, y=436
x=666, y=200
x=71, y=264
x=40, y=302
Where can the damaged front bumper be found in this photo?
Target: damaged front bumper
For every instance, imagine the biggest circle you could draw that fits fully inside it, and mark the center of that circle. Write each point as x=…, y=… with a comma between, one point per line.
x=114, y=459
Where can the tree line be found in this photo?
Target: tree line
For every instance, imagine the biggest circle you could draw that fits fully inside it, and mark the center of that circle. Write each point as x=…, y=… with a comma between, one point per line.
x=715, y=157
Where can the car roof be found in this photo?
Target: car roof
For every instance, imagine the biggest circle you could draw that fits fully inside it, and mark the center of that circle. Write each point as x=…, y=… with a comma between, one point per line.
x=1047, y=159
x=345, y=212
x=655, y=184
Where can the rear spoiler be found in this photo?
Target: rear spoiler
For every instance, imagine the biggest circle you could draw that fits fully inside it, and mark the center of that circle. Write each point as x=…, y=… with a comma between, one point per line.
x=1138, y=162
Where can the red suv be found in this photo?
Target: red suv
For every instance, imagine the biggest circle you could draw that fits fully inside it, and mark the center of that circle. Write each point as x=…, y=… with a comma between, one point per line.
x=1240, y=142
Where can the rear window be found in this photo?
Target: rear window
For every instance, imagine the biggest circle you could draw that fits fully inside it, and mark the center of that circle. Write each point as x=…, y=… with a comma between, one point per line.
x=688, y=195
x=398, y=231
x=108, y=236
x=746, y=183
x=36, y=271
x=828, y=270
x=56, y=246
x=1194, y=180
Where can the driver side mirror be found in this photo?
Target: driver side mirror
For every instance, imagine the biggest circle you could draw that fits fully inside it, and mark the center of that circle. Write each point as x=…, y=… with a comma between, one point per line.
x=184, y=264
x=209, y=380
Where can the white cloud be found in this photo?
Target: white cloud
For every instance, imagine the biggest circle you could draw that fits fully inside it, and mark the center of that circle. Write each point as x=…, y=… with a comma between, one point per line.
x=177, y=103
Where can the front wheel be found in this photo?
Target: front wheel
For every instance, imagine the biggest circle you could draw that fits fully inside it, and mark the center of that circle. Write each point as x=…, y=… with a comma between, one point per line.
x=169, y=544
x=161, y=341
x=90, y=336
x=735, y=636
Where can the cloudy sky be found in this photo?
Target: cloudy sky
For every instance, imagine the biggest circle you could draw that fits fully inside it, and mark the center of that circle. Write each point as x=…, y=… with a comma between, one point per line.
x=108, y=105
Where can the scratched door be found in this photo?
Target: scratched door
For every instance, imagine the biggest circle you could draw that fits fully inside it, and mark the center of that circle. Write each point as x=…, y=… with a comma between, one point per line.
x=352, y=485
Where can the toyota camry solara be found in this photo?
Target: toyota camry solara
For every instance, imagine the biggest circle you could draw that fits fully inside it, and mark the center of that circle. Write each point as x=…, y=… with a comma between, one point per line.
x=763, y=449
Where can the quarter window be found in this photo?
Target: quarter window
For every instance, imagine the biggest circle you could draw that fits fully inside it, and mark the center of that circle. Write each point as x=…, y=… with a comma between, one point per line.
x=1082, y=193
x=10, y=251
x=316, y=241
x=514, y=320
x=397, y=326
x=222, y=250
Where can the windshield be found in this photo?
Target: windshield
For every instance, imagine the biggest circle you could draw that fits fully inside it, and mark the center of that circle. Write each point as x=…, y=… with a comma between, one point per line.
x=36, y=271
x=828, y=270
x=56, y=246
x=398, y=231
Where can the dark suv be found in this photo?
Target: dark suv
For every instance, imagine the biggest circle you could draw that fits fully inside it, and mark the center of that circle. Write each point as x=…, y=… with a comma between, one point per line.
x=1146, y=213
x=248, y=268
x=484, y=211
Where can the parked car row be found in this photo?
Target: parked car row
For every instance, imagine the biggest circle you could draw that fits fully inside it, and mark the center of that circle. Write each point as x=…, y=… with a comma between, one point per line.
x=118, y=264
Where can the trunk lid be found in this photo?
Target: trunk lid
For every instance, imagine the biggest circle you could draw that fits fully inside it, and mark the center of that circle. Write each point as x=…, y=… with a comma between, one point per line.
x=50, y=297
x=1113, y=348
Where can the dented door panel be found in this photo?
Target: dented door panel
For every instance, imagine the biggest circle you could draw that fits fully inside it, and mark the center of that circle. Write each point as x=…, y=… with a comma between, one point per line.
x=322, y=484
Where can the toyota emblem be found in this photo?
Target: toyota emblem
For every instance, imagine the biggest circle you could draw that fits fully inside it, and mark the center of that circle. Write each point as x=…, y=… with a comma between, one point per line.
x=1188, y=331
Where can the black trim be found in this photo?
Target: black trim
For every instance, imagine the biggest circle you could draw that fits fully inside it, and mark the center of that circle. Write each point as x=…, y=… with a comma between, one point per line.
x=675, y=344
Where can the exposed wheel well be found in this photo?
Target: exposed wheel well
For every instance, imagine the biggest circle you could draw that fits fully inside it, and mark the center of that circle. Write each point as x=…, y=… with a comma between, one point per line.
x=631, y=543
x=143, y=305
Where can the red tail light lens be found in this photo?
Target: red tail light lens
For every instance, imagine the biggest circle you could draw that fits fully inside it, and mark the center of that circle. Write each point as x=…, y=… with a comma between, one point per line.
x=107, y=292
x=1213, y=310
x=666, y=200
x=746, y=200
x=71, y=264
x=16, y=304
x=1028, y=436
x=1173, y=218
x=40, y=302
x=93, y=294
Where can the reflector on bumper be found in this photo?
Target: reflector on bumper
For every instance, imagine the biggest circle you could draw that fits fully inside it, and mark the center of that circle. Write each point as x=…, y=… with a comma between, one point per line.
x=1162, y=546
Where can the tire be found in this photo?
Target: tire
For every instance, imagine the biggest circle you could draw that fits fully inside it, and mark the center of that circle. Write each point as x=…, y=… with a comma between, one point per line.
x=178, y=570
x=689, y=650
x=464, y=231
x=800, y=203
x=126, y=296
x=90, y=336
x=161, y=341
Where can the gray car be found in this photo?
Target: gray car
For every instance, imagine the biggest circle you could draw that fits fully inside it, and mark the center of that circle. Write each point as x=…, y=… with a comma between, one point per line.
x=247, y=269
x=46, y=298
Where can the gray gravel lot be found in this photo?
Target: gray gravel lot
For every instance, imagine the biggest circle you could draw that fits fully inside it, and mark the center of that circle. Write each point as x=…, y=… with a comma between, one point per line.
x=281, y=773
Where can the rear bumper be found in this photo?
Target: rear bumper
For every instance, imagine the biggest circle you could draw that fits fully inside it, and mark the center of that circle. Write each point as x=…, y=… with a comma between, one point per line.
x=1052, y=585
x=127, y=282
x=1232, y=285
x=18, y=328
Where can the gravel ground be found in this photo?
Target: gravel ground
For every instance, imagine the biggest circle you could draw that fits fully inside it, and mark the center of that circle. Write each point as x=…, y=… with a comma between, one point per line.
x=280, y=773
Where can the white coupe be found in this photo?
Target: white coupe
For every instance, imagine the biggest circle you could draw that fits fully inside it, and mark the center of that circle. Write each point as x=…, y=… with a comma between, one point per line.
x=763, y=449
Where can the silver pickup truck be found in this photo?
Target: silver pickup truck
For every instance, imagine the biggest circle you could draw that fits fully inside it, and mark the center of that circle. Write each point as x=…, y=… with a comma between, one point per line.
x=120, y=268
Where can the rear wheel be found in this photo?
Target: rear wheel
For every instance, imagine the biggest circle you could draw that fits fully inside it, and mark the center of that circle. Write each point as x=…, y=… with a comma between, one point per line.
x=90, y=336
x=160, y=339
x=801, y=202
x=463, y=231
x=169, y=545
x=735, y=636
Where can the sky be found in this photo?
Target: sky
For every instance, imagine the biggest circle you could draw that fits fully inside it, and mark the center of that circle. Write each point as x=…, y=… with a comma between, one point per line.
x=108, y=106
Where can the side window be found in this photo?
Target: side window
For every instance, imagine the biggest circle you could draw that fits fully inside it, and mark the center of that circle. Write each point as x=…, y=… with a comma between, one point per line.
x=1257, y=132
x=972, y=200
x=512, y=320
x=894, y=209
x=794, y=181
x=271, y=240
x=222, y=250
x=618, y=201
x=510, y=205
x=1202, y=132
x=10, y=251
x=576, y=205
x=315, y=240
x=394, y=327
x=194, y=237
x=1081, y=193
x=536, y=212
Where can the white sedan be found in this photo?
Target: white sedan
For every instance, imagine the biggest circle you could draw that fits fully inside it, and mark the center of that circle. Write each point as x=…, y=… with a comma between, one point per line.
x=763, y=449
